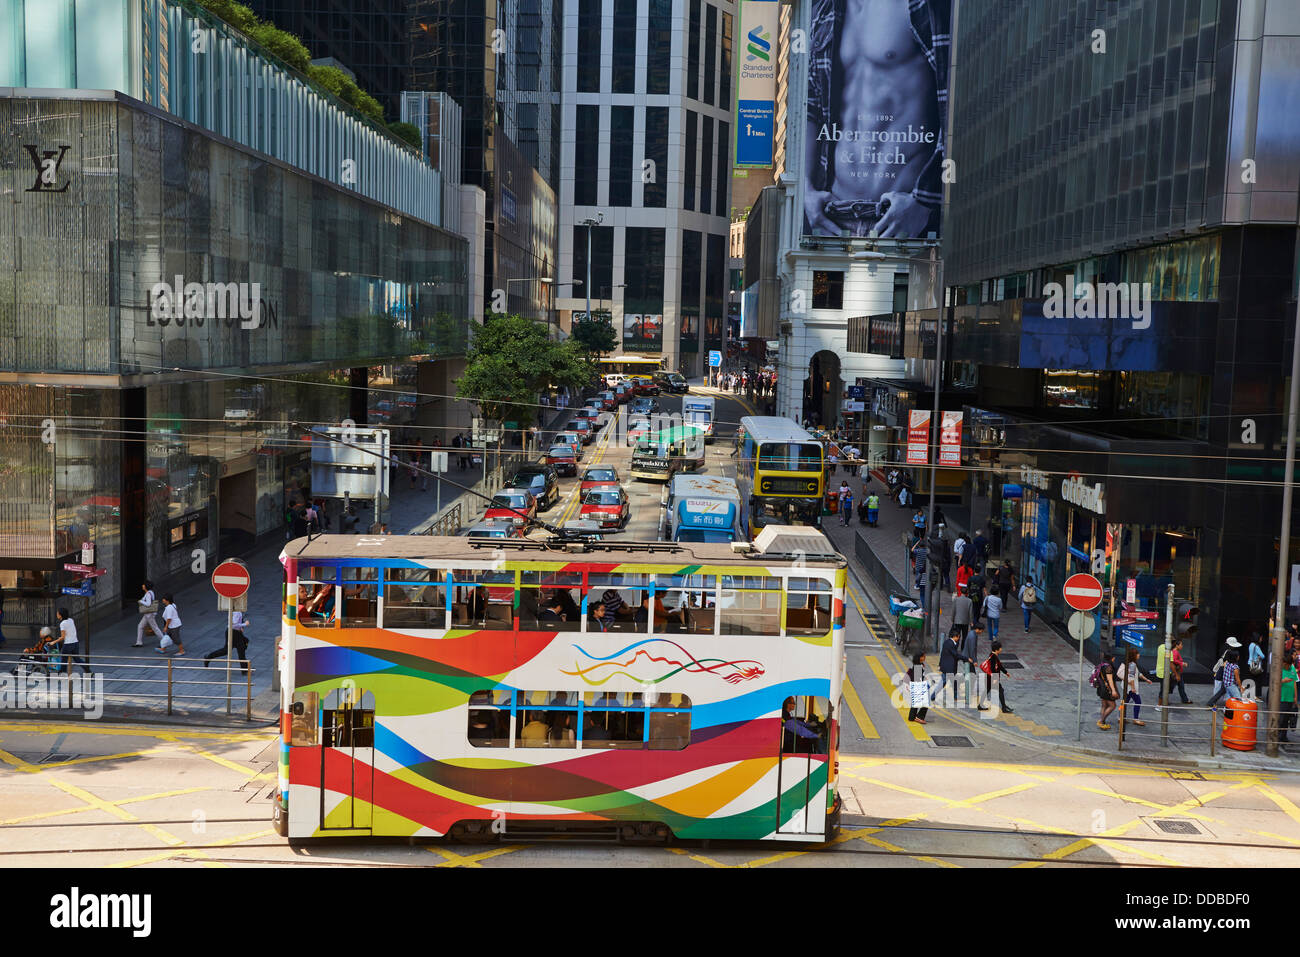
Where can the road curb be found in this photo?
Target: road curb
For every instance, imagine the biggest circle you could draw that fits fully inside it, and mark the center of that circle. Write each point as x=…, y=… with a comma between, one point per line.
x=113, y=715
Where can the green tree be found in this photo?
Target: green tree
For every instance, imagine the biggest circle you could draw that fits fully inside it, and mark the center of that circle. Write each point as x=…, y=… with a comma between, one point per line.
x=596, y=336
x=406, y=131
x=510, y=360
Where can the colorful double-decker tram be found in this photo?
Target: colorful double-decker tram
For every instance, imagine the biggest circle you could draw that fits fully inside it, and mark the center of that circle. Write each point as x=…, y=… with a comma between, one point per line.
x=438, y=686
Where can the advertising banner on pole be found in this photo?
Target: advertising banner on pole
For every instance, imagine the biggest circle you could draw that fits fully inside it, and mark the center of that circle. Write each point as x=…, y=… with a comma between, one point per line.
x=875, y=135
x=950, y=438
x=918, y=437
x=756, y=82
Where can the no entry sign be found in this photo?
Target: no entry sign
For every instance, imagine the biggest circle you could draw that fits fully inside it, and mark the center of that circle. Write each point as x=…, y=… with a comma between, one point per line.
x=1082, y=592
x=230, y=579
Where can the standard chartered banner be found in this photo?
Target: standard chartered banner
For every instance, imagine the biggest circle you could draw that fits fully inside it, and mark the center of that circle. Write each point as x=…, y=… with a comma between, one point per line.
x=877, y=101
x=756, y=82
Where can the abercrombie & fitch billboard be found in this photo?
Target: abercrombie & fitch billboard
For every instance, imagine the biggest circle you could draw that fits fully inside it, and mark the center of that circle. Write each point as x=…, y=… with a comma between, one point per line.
x=877, y=102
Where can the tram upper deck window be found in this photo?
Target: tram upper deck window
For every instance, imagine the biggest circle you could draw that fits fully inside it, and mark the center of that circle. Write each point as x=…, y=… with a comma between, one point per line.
x=750, y=605
x=627, y=720
x=483, y=600
x=317, y=596
x=415, y=598
x=550, y=601
x=360, y=597
x=808, y=607
x=618, y=602
x=684, y=604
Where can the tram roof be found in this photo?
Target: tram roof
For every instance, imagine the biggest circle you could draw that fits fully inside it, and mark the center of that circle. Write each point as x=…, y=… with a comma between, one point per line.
x=451, y=548
x=775, y=428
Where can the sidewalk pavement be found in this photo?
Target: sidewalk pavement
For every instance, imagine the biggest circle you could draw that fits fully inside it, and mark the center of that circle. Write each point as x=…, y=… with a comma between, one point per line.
x=1043, y=685
x=135, y=679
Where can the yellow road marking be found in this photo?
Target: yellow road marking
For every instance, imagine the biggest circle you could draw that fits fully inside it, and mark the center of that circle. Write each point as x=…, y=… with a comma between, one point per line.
x=194, y=852
x=471, y=860
x=918, y=731
x=575, y=493
x=110, y=807
x=698, y=857
x=1280, y=800
x=859, y=712
x=99, y=728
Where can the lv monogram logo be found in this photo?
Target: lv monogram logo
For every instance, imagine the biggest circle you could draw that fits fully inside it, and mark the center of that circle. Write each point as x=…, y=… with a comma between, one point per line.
x=47, y=165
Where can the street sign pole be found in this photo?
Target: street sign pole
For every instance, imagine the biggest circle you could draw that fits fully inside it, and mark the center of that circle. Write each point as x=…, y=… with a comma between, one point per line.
x=1169, y=665
x=1078, y=727
x=230, y=630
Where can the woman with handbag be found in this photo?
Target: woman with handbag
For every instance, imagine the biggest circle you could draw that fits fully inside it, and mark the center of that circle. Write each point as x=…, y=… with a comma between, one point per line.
x=992, y=665
x=918, y=689
x=1106, y=688
x=148, y=610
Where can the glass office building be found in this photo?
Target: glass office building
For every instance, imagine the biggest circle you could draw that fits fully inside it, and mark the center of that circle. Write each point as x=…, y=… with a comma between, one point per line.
x=172, y=297
x=1151, y=165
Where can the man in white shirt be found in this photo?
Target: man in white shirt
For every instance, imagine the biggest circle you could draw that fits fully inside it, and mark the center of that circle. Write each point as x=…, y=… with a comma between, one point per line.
x=238, y=641
x=70, y=643
x=171, y=628
x=148, y=614
x=993, y=611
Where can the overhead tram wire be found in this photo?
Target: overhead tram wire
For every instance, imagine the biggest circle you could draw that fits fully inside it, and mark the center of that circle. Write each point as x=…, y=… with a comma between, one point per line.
x=728, y=396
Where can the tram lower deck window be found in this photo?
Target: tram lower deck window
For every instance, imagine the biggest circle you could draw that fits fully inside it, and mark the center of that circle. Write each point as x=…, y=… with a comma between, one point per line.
x=581, y=720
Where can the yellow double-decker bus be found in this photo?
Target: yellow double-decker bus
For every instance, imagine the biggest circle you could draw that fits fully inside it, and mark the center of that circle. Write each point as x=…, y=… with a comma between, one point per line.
x=780, y=468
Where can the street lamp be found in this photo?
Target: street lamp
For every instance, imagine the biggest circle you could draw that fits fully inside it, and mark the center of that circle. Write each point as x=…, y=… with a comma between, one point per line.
x=600, y=218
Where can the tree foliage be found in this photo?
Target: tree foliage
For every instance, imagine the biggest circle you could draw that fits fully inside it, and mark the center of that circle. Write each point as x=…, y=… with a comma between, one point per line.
x=596, y=336
x=406, y=131
x=511, y=360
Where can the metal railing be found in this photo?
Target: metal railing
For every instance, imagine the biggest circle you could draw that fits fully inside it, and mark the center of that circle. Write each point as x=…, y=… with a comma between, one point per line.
x=1192, y=723
x=173, y=674
x=881, y=575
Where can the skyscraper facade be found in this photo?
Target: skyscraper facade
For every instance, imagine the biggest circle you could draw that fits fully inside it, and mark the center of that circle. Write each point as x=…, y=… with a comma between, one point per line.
x=647, y=151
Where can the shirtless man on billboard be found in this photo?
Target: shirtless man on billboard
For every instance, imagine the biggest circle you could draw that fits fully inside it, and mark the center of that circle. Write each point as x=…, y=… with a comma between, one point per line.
x=877, y=101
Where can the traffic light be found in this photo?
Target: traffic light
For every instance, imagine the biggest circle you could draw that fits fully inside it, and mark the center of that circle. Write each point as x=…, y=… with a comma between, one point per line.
x=1185, y=615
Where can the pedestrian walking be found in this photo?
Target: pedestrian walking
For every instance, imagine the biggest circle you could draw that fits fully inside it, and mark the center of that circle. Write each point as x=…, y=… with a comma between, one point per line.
x=992, y=609
x=1177, y=665
x=1104, y=679
x=1256, y=666
x=1028, y=598
x=1220, y=667
x=1129, y=676
x=846, y=503
x=961, y=612
x=238, y=641
x=975, y=588
x=950, y=655
x=981, y=546
x=148, y=614
x=1006, y=582
x=1288, y=696
x=992, y=666
x=918, y=524
x=919, y=560
x=873, y=509
x=963, y=577
x=171, y=628
x=69, y=643
x=918, y=689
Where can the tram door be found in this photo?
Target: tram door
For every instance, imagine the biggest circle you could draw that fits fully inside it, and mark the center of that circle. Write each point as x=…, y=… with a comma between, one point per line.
x=805, y=740
x=347, y=759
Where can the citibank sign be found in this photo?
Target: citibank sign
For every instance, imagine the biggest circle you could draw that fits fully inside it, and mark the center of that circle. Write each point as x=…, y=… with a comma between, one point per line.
x=1092, y=497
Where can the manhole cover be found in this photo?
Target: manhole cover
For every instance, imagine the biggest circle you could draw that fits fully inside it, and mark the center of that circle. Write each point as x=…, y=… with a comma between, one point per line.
x=1011, y=665
x=951, y=741
x=1177, y=827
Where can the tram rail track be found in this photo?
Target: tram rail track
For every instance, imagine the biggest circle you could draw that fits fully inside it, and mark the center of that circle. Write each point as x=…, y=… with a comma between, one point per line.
x=186, y=853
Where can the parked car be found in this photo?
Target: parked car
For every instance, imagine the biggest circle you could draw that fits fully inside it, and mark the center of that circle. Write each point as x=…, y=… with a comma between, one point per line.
x=542, y=481
x=607, y=504
x=562, y=458
x=514, y=505
x=582, y=427
x=572, y=439
x=599, y=475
